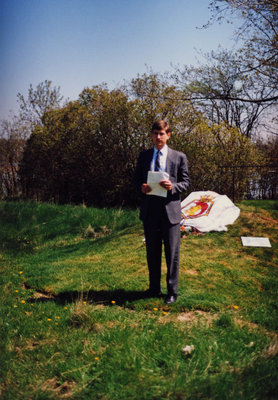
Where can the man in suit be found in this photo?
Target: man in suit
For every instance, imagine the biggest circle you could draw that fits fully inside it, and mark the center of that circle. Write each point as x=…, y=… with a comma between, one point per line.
x=161, y=216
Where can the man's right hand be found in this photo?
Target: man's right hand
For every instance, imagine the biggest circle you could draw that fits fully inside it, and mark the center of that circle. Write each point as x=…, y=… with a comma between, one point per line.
x=146, y=188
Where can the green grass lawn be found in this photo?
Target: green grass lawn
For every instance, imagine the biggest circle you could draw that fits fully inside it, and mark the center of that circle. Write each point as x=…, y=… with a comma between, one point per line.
x=75, y=325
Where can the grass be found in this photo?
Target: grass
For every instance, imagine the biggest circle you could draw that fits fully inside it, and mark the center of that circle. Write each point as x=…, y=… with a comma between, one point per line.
x=75, y=325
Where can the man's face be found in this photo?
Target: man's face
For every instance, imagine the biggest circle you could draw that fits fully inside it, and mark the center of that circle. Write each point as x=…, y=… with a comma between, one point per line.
x=160, y=138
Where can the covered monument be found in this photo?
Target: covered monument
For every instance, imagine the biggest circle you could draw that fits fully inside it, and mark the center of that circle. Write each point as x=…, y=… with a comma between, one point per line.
x=208, y=211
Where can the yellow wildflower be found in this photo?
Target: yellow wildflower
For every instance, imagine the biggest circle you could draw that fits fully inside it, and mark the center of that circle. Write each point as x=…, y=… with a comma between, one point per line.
x=235, y=307
x=23, y=301
x=20, y=272
x=155, y=309
x=49, y=319
x=97, y=358
x=113, y=302
x=15, y=306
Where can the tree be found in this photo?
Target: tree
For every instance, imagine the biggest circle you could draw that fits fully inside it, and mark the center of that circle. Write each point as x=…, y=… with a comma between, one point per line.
x=155, y=98
x=259, y=33
x=87, y=150
x=15, y=132
x=239, y=88
x=39, y=101
x=11, y=150
x=268, y=184
x=214, y=88
x=217, y=157
x=83, y=152
x=48, y=170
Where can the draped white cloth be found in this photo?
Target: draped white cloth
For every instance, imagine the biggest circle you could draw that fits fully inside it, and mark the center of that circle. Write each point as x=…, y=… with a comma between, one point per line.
x=208, y=211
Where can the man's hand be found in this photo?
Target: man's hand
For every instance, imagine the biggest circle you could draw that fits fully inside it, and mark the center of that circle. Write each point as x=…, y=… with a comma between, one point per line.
x=146, y=188
x=166, y=185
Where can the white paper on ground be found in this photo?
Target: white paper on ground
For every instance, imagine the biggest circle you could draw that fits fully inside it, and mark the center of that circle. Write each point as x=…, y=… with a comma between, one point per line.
x=154, y=177
x=255, y=241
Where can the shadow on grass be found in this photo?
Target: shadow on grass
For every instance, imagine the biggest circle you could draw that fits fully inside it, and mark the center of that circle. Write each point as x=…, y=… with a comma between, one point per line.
x=120, y=296
x=131, y=299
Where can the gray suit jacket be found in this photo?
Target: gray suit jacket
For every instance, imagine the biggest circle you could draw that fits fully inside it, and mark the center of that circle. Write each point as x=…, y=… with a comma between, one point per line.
x=177, y=169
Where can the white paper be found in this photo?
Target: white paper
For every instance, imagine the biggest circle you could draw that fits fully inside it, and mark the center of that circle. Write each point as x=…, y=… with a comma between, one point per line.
x=255, y=241
x=154, y=177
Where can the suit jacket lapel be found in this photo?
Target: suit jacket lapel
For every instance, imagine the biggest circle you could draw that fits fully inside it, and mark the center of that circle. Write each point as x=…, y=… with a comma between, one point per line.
x=149, y=158
x=147, y=163
x=169, y=161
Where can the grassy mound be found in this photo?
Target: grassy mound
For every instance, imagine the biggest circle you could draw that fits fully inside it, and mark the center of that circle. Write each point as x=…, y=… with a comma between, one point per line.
x=75, y=323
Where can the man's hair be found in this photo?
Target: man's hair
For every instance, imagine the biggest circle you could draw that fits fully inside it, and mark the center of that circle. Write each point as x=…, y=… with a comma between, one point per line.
x=160, y=126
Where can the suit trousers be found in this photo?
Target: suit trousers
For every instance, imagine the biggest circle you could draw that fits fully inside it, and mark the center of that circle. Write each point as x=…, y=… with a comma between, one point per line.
x=159, y=230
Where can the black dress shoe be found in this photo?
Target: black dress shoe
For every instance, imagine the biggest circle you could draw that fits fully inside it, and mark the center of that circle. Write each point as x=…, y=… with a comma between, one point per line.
x=171, y=298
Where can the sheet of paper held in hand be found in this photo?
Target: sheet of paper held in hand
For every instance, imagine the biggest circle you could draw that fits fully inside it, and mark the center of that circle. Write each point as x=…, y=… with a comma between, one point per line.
x=154, y=177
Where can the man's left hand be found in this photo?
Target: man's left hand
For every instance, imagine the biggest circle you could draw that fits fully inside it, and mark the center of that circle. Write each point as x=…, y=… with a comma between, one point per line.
x=166, y=185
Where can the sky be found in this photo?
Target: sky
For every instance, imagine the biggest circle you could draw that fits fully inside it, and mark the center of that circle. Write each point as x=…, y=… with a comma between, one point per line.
x=82, y=43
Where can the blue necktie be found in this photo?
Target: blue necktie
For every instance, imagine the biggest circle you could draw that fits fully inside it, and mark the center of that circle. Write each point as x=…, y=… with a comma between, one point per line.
x=157, y=161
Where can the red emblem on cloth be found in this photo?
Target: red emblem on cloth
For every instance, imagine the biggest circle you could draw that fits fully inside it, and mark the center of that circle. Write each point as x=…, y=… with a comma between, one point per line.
x=198, y=208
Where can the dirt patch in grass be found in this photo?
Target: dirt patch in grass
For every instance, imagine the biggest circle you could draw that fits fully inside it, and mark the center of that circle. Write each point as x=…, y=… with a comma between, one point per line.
x=255, y=326
x=192, y=272
x=260, y=219
x=41, y=296
x=190, y=317
x=59, y=390
x=31, y=344
x=197, y=315
x=271, y=350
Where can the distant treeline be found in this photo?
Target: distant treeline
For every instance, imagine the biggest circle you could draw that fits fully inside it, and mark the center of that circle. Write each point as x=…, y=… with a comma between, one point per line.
x=86, y=150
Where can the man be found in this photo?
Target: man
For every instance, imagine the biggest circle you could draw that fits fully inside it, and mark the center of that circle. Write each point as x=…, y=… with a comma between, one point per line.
x=161, y=216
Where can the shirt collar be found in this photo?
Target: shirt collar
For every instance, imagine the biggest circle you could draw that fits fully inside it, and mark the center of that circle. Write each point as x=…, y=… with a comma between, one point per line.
x=164, y=150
